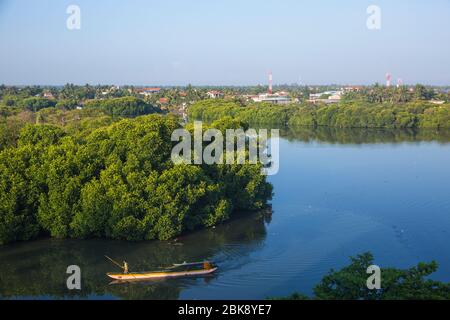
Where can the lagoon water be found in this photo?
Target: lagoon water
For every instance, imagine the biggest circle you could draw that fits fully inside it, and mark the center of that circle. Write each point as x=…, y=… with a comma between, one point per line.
x=338, y=193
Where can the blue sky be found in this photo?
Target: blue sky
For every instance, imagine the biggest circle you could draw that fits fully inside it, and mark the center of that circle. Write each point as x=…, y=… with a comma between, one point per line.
x=220, y=42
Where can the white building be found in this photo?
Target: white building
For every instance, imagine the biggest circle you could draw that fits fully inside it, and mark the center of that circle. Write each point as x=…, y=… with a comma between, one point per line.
x=277, y=98
x=214, y=94
x=331, y=97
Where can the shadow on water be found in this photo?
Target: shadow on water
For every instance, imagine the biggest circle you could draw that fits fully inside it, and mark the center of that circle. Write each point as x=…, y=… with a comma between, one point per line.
x=37, y=269
x=363, y=136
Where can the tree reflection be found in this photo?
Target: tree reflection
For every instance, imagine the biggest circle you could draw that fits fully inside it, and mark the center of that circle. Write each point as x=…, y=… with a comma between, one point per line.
x=363, y=136
x=37, y=269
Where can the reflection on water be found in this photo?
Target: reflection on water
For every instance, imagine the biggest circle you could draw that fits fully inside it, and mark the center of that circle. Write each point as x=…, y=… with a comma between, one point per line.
x=363, y=136
x=38, y=268
x=339, y=192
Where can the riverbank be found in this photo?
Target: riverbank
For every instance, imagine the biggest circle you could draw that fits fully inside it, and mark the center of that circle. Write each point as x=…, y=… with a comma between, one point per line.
x=418, y=114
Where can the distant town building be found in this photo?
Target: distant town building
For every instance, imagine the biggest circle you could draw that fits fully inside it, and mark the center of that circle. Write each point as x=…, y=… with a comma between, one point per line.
x=353, y=88
x=280, y=97
x=334, y=97
x=48, y=95
x=110, y=90
x=163, y=100
x=326, y=97
x=276, y=98
x=437, y=101
x=215, y=94
x=148, y=91
x=315, y=96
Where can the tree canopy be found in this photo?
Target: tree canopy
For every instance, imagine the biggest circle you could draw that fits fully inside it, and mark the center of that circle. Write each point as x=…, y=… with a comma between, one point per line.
x=354, y=114
x=118, y=182
x=36, y=103
x=124, y=106
x=349, y=283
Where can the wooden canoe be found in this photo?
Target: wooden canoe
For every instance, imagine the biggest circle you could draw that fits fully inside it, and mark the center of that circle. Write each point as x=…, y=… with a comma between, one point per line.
x=159, y=274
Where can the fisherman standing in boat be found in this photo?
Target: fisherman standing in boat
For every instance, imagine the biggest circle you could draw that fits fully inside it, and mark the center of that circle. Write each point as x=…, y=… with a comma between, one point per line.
x=125, y=267
x=207, y=265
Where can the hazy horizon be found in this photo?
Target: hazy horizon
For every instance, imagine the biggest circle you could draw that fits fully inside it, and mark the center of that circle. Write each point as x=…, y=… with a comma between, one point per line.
x=224, y=43
x=312, y=85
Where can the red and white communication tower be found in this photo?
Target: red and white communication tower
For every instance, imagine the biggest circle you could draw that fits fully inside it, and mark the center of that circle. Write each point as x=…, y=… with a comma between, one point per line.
x=270, y=82
x=388, y=79
x=399, y=82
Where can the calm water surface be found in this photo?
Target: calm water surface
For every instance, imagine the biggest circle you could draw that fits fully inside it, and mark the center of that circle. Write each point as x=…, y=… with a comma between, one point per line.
x=338, y=193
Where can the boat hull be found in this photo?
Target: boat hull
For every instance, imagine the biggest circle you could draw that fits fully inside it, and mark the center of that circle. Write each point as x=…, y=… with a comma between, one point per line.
x=158, y=275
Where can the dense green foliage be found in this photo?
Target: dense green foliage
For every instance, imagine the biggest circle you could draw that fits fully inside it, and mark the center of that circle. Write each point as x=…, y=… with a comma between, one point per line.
x=36, y=103
x=358, y=115
x=364, y=107
x=125, y=106
x=80, y=122
x=354, y=114
x=68, y=104
x=349, y=283
x=401, y=94
x=261, y=113
x=9, y=133
x=117, y=181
